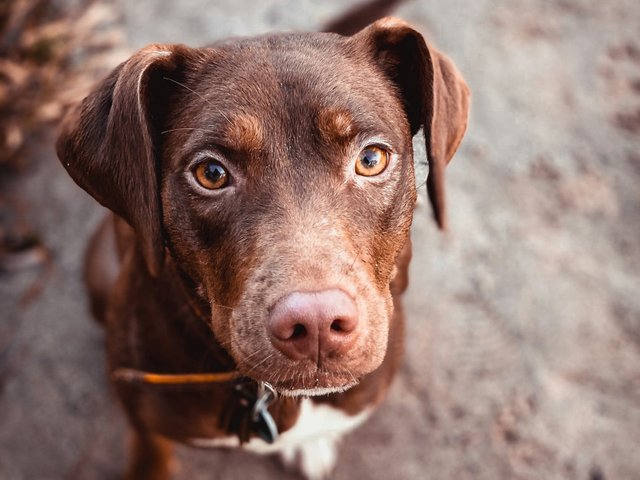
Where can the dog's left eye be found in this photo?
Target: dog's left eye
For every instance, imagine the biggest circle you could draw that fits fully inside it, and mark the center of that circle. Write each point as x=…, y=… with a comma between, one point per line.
x=371, y=161
x=211, y=175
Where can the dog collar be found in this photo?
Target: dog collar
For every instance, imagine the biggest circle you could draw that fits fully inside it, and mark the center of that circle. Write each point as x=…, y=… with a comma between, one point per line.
x=132, y=375
x=254, y=398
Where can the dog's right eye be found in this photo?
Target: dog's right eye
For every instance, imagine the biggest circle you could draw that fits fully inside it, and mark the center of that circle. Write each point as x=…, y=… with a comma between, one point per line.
x=211, y=175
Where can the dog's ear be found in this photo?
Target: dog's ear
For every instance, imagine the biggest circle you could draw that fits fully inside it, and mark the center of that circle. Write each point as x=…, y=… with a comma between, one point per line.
x=108, y=142
x=434, y=93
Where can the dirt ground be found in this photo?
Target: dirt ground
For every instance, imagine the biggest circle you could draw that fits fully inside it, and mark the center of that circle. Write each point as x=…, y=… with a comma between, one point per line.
x=523, y=352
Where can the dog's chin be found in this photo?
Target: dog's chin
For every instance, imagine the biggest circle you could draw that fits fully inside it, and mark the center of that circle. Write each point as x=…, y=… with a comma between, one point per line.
x=320, y=383
x=314, y=392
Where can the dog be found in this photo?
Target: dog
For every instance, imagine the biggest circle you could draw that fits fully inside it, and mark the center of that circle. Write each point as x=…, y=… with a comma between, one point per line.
x=262, y=189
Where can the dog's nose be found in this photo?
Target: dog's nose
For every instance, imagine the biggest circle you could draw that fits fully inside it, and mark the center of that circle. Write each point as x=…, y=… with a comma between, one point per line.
x=314, y=325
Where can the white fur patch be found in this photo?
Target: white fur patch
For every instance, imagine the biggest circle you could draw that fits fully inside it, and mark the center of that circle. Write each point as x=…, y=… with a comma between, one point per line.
x=309, y=445
x=316, y=392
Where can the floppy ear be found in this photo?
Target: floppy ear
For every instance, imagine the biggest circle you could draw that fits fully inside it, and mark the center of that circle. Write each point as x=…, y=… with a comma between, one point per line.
x=434, y=93
x=108, y=142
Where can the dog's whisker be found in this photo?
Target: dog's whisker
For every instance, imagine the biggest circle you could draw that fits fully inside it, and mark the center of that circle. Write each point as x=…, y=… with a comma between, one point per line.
x=215, y=304
x=197, y=94
x=189, y=89
x=345, y=372
x=254, y=354
x=254, y=367
x=355, y=259
x=183, y=128
x=279, y=377
x=199, y=129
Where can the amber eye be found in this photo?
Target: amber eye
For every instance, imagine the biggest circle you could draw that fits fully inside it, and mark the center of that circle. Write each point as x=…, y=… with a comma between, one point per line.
x=372, y=161
x=211, y=175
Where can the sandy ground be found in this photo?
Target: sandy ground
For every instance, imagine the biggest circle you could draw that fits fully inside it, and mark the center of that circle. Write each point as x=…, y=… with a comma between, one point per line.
x=523, y=354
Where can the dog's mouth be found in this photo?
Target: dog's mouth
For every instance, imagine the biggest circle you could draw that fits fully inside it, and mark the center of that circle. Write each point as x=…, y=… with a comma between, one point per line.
x=314, y=392
x=292, y=391
x=321, y=383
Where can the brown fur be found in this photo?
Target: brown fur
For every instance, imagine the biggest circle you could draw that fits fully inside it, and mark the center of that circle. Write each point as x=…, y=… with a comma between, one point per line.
x=335, y=125
x=244, y=132
x=199, y=271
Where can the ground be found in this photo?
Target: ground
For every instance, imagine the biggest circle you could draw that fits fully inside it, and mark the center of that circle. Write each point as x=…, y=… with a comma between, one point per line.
x=523, y=353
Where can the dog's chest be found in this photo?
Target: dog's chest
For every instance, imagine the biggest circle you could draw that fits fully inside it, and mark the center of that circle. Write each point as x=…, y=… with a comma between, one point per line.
x=315, y=421
x=310, y=445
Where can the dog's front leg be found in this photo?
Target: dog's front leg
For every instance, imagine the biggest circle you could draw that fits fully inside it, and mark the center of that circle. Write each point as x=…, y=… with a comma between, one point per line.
x=150, y=457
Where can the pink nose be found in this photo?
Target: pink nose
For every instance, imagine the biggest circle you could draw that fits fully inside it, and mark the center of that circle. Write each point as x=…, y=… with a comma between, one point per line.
x=314, y=325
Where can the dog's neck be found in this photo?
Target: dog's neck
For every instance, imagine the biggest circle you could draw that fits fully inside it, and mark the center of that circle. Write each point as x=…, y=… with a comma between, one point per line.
x=200, y=318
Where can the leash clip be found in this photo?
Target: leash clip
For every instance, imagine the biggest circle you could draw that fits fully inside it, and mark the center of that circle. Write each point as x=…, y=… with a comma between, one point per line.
x=255, y=398
x=266, y=396
x=264, y=424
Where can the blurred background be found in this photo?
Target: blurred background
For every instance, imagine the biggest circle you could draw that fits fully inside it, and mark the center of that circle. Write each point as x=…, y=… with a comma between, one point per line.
x=523, y=351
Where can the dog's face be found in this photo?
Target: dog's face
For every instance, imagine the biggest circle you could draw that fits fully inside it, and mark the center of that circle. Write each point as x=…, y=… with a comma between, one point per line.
x=279, y=173
x=287, y=128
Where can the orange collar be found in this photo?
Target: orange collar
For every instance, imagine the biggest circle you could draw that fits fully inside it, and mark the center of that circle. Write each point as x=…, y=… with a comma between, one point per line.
x=131, y=375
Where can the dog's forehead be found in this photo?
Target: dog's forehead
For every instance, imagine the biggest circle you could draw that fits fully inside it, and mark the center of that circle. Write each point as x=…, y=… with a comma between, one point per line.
x=286, y=91
x=283, y=56
x=290, y=78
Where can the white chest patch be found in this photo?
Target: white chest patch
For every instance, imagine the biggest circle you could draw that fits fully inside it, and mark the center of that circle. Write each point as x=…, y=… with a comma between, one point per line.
x=310, y=444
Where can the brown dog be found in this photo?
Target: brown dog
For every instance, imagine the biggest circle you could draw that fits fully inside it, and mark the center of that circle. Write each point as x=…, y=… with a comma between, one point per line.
x=263, y=191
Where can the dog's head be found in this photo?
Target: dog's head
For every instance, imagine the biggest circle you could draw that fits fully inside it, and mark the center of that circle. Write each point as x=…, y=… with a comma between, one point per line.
x=278, y=173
